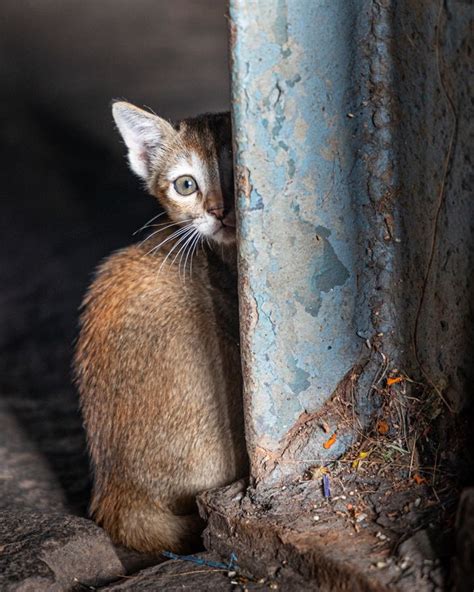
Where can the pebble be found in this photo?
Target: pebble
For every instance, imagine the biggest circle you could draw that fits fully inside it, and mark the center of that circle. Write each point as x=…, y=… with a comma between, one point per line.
x=404, y=563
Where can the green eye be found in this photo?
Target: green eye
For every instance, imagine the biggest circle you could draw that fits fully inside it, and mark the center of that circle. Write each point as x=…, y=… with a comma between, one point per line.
x=185, y=185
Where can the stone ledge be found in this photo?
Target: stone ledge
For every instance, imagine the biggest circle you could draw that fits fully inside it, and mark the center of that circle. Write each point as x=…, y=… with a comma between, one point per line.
x=331, y=553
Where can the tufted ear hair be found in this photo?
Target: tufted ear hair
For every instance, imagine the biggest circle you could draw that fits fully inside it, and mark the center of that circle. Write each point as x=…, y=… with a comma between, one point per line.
x=144, y=134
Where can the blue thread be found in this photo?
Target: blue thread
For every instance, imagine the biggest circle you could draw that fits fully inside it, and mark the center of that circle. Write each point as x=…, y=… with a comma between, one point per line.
x=199, y=561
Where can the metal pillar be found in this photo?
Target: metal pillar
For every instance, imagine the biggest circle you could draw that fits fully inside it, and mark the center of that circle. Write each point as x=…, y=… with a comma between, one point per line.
x=340, y=161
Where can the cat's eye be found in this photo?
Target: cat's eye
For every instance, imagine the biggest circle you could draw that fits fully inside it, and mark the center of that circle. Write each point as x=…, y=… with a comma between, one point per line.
x=185, y=185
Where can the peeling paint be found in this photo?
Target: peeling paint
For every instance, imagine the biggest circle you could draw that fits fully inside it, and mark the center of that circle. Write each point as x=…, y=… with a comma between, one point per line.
x=295, y=252
x=300, y=381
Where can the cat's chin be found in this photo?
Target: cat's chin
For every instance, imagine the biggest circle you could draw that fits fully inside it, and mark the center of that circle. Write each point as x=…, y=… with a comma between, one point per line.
x=224, y=236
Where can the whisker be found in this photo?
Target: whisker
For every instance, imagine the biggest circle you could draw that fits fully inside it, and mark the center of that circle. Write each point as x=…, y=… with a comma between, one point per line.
x=179, y=241
x=173, y=235
x=188, y=229
x=185, y=251
x=168, y=238
x=157, y=232
x=182, y=258
x=193, y=250
x=188, y=237
x=163, y=223
x=149, y=221
x=190, y=243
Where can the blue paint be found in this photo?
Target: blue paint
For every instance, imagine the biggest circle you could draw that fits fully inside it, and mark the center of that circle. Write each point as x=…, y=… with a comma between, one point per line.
x=290, y=103
x=300, y=381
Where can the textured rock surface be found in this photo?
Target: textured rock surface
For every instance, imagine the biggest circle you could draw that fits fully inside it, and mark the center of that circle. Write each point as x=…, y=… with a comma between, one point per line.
x=52, y=552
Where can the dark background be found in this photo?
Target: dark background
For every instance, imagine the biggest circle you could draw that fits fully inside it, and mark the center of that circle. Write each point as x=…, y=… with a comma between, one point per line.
x=68, y=198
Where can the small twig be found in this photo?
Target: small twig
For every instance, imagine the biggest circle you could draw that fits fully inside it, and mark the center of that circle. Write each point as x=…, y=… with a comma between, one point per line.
x=198, y=571
x=436, y=495
x=412, y=455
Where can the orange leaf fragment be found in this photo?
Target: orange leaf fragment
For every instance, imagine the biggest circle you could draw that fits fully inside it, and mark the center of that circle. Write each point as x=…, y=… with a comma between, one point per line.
x=382, y=426
x=394, y=380
x=331, y=441
x=418, y=479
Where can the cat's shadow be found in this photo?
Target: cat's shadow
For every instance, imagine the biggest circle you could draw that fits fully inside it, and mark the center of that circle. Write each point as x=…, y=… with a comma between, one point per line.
x=46, y=450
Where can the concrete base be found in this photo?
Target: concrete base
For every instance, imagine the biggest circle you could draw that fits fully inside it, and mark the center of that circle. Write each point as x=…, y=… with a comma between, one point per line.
x=328, y=545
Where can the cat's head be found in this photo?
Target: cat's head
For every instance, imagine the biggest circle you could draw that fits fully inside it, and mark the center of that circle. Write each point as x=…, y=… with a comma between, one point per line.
x=187, y=166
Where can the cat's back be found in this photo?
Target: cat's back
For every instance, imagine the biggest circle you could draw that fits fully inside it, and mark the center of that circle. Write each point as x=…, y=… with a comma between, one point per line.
x=135, y=292
x=151, y=329
x=132, y=280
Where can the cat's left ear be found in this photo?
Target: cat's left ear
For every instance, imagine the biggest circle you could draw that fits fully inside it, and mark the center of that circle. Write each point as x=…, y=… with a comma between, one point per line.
x=144, y=134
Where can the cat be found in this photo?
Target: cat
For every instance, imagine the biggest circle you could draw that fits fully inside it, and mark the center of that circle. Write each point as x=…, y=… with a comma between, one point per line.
x=157, y=361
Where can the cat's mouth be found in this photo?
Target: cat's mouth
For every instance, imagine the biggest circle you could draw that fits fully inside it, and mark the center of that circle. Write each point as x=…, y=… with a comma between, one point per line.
x=225, y=227
x=224, y=234
x=221, y=231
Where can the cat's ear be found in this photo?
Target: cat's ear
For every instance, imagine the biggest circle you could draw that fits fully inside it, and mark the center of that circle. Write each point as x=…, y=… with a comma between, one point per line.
x=144, y=134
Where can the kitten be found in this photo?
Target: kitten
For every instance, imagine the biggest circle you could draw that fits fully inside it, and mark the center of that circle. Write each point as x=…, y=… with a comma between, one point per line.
x=157, y=361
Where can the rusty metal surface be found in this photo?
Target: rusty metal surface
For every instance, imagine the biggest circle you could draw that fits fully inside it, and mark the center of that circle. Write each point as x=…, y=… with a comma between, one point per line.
x=335, y=242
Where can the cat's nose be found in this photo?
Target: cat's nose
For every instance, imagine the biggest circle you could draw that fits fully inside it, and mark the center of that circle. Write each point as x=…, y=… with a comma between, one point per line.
x=217, y=212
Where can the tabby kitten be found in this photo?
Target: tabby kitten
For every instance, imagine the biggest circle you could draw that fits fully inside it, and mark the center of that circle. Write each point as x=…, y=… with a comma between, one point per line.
x=157, y=362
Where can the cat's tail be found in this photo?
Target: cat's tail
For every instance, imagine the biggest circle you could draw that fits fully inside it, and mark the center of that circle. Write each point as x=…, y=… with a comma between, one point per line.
x=150, y=527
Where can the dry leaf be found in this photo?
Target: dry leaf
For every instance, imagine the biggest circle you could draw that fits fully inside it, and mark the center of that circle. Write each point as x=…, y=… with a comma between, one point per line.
x=325, y=427
x=317, y=472
x=418, y=479
x=362, y=454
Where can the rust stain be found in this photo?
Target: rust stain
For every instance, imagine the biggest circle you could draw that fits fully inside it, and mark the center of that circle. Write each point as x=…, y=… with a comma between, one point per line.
x=242, y=175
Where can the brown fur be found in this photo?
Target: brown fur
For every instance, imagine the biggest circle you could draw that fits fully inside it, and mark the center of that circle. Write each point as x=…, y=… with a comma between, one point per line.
x=158, y=370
